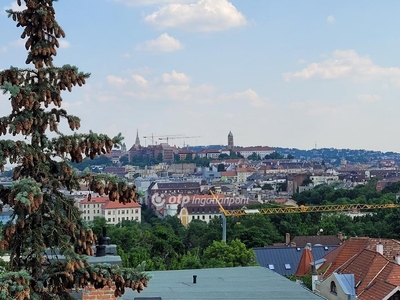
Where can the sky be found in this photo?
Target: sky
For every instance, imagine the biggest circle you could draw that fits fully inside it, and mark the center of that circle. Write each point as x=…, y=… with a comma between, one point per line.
x=298, y=74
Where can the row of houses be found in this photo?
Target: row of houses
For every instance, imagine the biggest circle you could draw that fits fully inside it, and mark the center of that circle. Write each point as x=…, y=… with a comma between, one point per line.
x=358, y=268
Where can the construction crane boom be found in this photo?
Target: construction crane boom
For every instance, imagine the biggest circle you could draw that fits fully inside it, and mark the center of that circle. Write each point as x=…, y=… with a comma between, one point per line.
x=152, y=136
x=171, y=137
x=294, y=209
x=301, y=209
x=304, y=209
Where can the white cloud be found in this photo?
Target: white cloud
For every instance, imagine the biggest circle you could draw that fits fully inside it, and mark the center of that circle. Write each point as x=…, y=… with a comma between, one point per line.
x=18, y=43
x=249, y=96
x=301, y=61
x=316, y=108
x=15, y=7
x=163, y=43
x=346, y=64
x=64, y=44
x=176, y=77
x=204, y=15
x=151, y=2
x=68, y=105
x=116, y=81
x=139, y=80
x=369, y=98
x=126, y=55
x=330, y=19
x=21, y=43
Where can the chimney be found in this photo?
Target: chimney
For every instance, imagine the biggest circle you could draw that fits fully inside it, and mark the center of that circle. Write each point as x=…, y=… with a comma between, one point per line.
x=314, y=277
x=340, y=236
x=194, y=279
x=397, y=259
x=379, y=248
x=287, y=242
x=103, y=241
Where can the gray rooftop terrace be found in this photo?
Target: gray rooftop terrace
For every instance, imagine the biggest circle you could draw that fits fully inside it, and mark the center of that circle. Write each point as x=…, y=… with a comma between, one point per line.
x=244, y=283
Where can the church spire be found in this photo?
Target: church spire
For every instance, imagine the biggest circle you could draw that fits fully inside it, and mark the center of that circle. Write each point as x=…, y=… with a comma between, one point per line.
x=137, y=141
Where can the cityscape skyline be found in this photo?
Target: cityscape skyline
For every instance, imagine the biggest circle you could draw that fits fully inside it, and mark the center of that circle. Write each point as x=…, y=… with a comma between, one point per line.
x=278, y=74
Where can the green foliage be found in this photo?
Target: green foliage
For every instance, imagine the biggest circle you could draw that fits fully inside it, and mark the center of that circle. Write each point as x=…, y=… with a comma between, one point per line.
x=274, y=155
x=233, y=254
x=267, y=187
x=307, y=182
x=254, y=156
x=101, y=160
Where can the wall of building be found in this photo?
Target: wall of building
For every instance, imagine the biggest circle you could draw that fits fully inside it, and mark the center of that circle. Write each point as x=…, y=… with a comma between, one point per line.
x=115, y=216
x=324, y=290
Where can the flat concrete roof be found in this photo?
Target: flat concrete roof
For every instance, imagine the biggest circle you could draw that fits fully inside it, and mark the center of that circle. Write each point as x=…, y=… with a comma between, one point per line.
x=244, y=283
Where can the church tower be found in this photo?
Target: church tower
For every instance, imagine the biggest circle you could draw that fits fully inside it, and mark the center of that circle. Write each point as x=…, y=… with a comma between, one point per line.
x=137, y=141
x=230, y=140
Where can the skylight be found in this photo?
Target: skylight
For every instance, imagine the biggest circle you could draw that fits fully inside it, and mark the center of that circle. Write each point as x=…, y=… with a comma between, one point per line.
x=287, y=266
x=271, y=267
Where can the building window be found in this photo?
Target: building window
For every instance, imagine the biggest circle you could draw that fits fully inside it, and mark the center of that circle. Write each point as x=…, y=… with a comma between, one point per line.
x=136, y=211
x=136, y=218
x=84, y=205
x=123, y=211
x=287, y=266
x=204, y=217
x=109, y=212
x=123, y=218
x=333, y=288
x=84, y=211
x=88, y=218
x=119, y=212
x=113, y=219
x=109, y=219
x=119, y=219
x=271, y=267
x=98, y=211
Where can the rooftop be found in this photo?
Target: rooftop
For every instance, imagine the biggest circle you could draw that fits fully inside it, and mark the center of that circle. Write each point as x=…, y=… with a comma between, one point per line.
x=285, y=260
x=221, y=283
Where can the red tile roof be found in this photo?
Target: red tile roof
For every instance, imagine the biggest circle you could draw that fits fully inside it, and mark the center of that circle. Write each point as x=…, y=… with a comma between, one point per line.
x=341, y=254
x=324, y=240
x=229, y=173
x=247, y=170
x=254, y=149
x=116, y=204
x=353, y=246
x=304, y=265
x=375, y=275
x=95, y=200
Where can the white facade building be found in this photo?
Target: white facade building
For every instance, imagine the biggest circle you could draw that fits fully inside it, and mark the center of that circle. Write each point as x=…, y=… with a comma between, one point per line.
x=113, y=211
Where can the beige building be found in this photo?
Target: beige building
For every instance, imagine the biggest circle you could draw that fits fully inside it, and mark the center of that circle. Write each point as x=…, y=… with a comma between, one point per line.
x=113, y=211
x=243, y=173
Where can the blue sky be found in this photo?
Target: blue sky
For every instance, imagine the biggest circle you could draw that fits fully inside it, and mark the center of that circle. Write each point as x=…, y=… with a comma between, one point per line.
x=275, y=73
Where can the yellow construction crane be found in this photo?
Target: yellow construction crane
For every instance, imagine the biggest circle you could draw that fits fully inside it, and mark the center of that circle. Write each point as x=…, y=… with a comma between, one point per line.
x=167, y=138
x=293, y=209
x=152, y=136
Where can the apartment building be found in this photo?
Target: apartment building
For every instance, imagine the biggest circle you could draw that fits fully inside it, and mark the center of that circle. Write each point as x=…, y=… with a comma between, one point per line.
x=113, y=211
